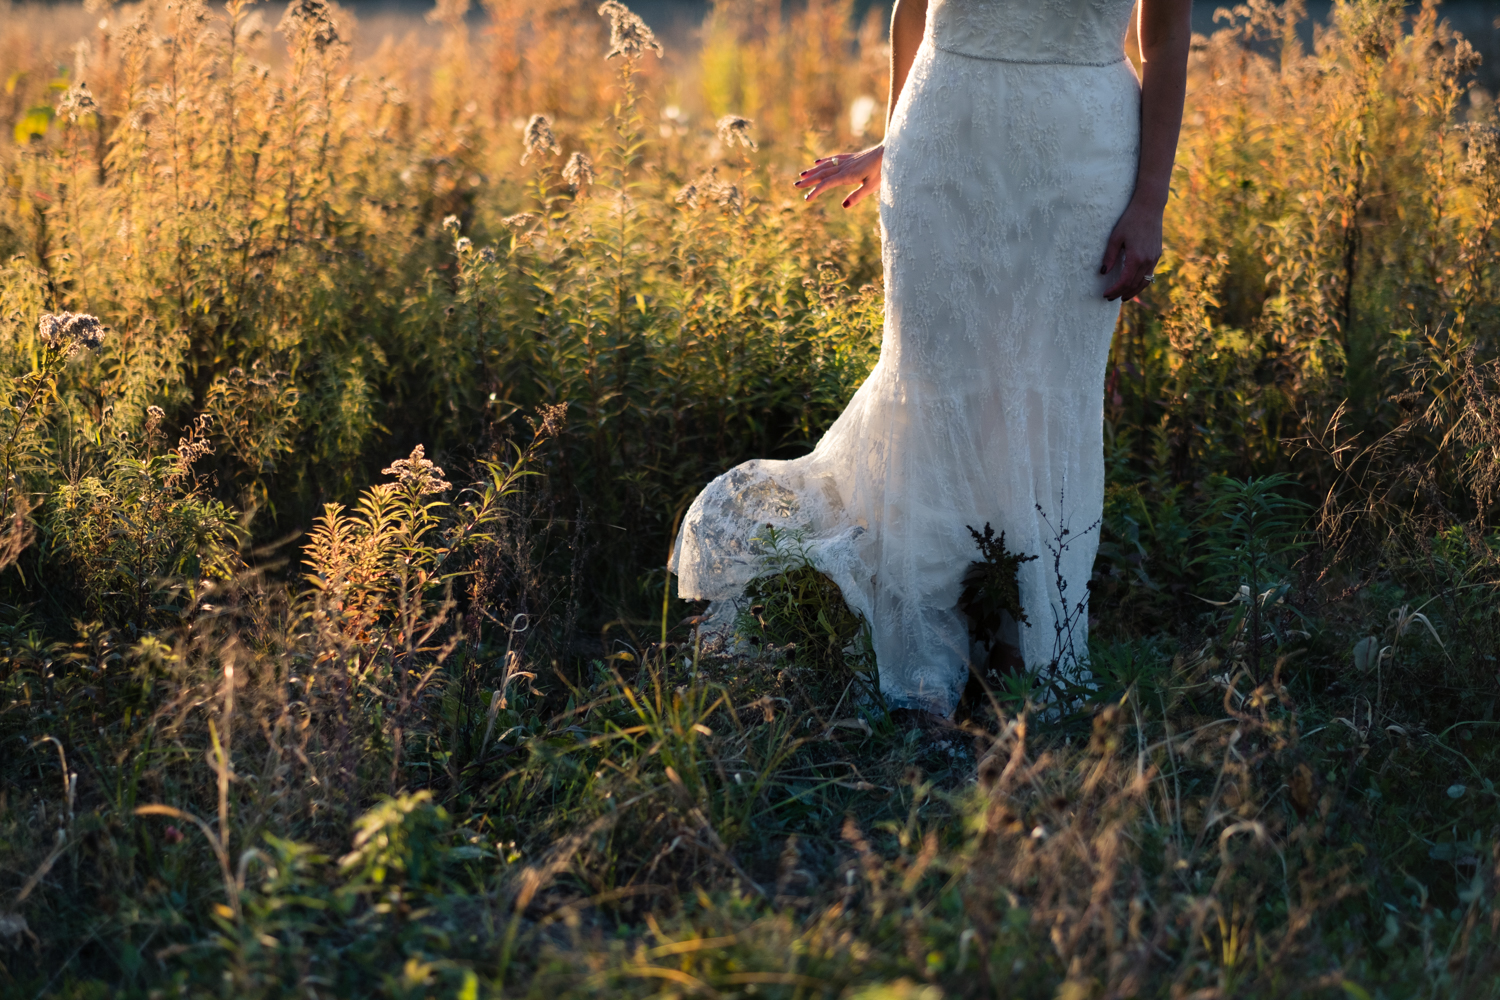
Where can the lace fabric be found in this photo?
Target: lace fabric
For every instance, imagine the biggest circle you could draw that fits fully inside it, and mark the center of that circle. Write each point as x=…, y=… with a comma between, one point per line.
x=1006, y=166
x=1070, y=32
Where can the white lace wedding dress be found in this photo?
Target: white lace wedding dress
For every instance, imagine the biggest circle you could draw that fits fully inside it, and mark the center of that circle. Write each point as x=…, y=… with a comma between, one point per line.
x=1011, y=154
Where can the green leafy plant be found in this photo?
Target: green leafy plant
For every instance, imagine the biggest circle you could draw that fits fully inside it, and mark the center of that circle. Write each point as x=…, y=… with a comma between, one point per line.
x=796, y=612
x=317, y=256
x=1250, y=535
x=134, y=543
x=991, y=599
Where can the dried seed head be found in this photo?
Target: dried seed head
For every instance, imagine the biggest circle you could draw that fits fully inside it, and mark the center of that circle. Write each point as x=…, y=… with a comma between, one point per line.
x=135, y=37
x=579, y=171
x=154, y=417
x=187, y=12
x=451, y=222
x=689, y=194
x=68, y=333
x=464, y=244
x=310, y=22
x=192, y=446
x=539, y=138
x=554, y=418
x=417, y=473
x=708, y=185
x=628, y=34
x=76, y=103
x=1483, y=143
x=734, y=129
x=487, y=255
x=727, y=196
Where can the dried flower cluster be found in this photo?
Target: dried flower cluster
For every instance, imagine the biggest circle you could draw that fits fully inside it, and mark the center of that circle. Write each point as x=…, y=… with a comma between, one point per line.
x=734, y=129
x=310, y=22
x=77, y=102
x=554, y=418
x=629, y=36
x=192, y=446
x=154, y=417
x=417, y=473
x=539, y=138
x=710, y=187
x=1483, y=143
x=68, y=333
x=579, y=171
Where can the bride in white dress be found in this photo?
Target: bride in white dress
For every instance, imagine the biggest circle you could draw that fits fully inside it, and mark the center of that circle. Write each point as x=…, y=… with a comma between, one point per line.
x=1022, y=182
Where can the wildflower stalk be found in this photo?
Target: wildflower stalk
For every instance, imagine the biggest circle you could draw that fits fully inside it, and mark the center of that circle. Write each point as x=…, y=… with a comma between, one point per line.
x=314, y=37
x=538, y=141
x=630, y=38
x=627, y=147
x=62, y=336
x=235, y=12
x=76, y=107
x=37, y=381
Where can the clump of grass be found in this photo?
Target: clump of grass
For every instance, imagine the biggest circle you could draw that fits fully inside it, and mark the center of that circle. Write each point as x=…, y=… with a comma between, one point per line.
x=440, y=736
x=796, y=614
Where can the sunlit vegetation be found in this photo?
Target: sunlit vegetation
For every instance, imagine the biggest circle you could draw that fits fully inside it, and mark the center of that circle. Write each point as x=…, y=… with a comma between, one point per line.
x=354, y=389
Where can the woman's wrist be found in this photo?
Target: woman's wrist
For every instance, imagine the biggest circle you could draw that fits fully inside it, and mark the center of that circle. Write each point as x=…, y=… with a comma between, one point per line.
x=1147, y=200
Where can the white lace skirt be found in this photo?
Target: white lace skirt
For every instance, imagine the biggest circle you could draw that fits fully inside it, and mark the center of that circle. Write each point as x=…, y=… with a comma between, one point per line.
x=1001, y=184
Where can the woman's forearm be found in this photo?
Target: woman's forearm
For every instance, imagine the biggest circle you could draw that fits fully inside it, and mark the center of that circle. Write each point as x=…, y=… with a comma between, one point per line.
x=1165, y=32
x=908, y=23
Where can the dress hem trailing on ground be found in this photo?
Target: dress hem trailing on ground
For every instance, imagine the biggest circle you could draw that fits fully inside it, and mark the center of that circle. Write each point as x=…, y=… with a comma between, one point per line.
x=1011, y=154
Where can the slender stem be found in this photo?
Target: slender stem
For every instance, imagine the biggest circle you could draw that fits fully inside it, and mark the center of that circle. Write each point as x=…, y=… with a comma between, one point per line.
x=16, y=433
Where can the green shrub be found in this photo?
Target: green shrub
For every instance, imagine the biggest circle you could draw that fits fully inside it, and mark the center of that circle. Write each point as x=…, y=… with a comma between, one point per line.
x=123, y=545
x=797, y=614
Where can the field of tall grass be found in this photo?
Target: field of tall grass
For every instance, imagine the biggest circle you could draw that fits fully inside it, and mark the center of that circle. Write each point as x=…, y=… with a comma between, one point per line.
x=354, y=389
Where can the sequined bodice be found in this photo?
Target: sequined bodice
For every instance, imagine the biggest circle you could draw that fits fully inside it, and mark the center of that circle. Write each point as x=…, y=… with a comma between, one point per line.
x=1076, y=32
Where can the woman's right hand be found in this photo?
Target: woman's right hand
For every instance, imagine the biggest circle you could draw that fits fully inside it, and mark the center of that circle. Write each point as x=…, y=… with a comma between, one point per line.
x=845, y=168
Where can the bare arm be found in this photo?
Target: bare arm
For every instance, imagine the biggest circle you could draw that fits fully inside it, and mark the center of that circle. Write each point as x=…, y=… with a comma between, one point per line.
x=1135, y=244
x=908, y=24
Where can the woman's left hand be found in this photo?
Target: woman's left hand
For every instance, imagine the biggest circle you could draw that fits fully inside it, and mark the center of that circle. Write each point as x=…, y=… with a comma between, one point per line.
x=1134, y=247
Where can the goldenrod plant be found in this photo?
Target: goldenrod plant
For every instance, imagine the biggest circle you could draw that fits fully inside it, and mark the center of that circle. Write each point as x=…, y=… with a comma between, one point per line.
x=375, y=685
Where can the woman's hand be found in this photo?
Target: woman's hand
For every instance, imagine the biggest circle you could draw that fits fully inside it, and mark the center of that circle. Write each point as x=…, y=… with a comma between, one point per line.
x=845, y=168
x=1134, y=247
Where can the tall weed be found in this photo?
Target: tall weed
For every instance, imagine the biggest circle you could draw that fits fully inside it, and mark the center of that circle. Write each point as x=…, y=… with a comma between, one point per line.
x=270, y=730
